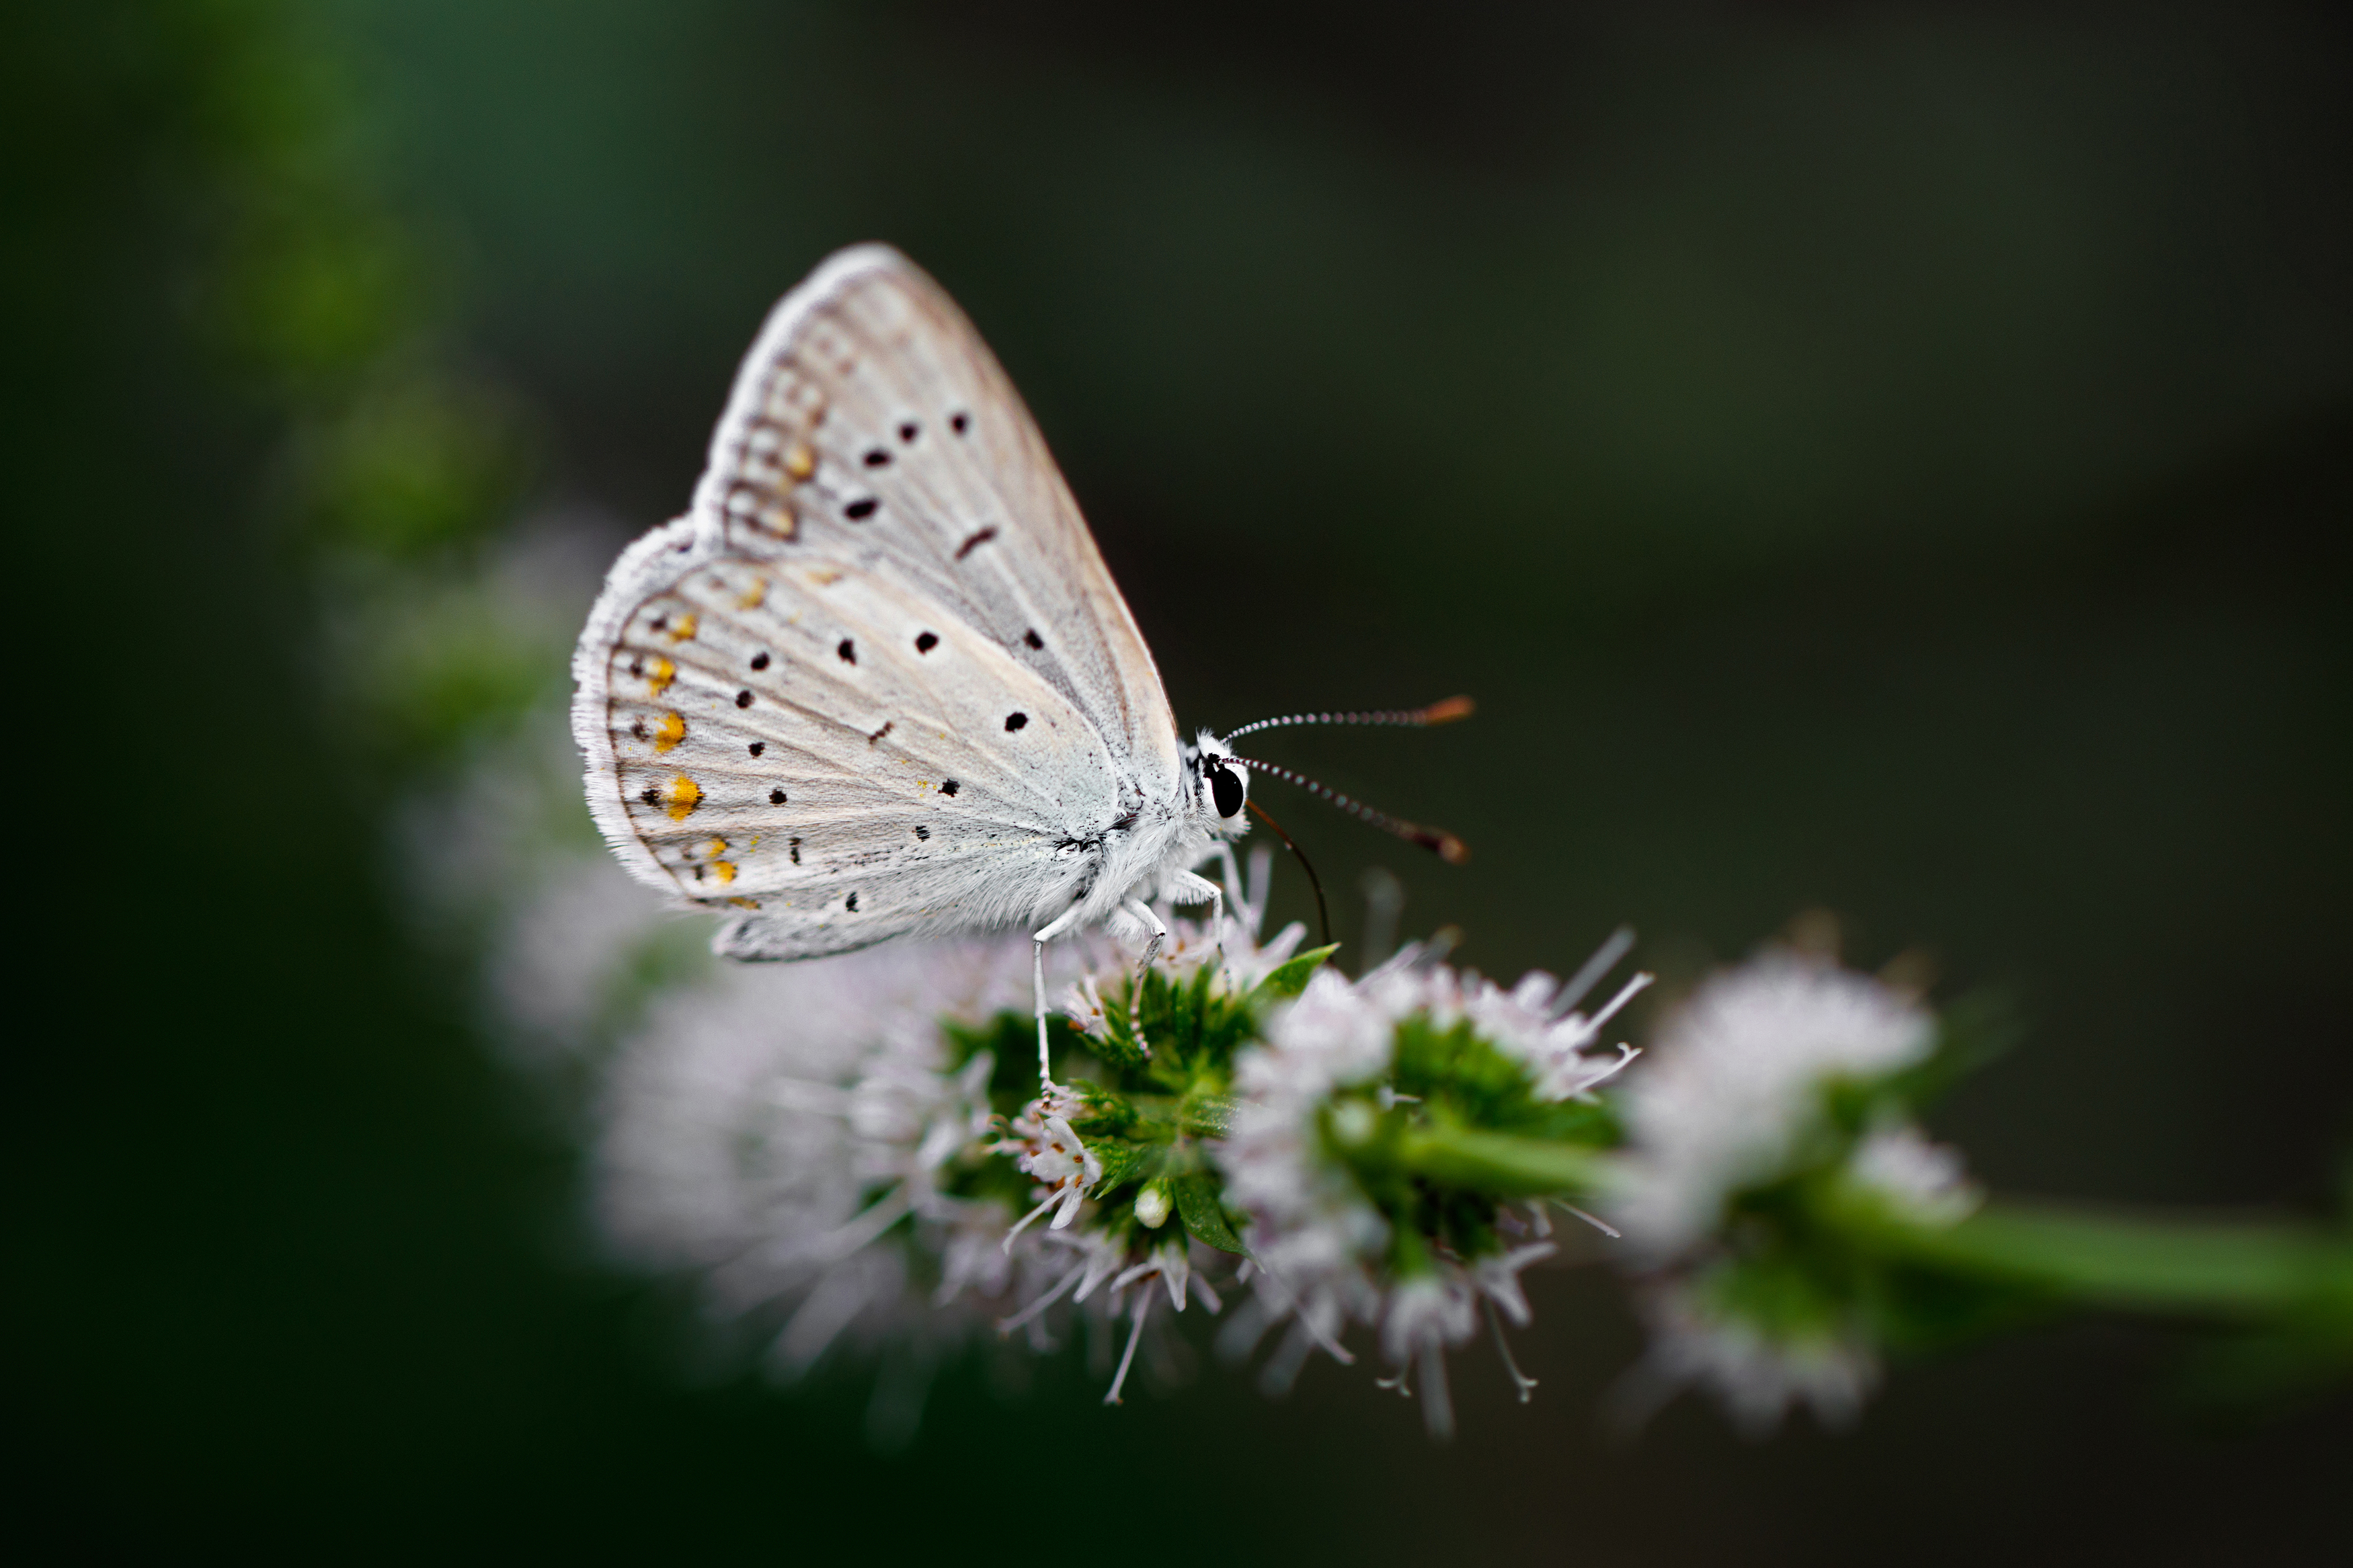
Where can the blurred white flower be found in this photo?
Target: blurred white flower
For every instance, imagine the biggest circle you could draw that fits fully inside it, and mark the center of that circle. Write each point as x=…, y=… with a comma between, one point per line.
x=767, y=1129
x=1924, y=1182
x=1733, y=1088
x=1735, y=1097
x=1757, y=1372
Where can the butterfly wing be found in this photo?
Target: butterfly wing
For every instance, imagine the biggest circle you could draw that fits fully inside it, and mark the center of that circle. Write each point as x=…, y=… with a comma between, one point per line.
x=879, y=680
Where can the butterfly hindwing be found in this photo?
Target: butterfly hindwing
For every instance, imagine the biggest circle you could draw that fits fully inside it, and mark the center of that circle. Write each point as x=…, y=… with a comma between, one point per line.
x=819, y=747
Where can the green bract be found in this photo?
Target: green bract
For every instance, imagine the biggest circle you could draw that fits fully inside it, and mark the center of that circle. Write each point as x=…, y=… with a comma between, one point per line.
x=1150, y=1087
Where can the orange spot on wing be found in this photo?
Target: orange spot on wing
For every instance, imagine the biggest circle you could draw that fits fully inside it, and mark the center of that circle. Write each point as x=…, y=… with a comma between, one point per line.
x=659, y=673
x=670, y=732
x=753, y=596
x=743, y=903
x=684, y=630
x=800, y=462
x=683, y=797
x=724, y=869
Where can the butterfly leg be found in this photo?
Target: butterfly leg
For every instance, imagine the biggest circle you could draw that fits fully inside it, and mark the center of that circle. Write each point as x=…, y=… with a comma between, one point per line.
x=1189, y=889
x=1041, y=937
x=1153, y=924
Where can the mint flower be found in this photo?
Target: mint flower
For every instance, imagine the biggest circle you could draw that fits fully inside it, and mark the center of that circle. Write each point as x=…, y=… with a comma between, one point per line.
x=1774, y=1107
x=1705, y=1334
x=1736, y=1087
x=1373, y=1153
x=804, y=1140
x=1049, y=1154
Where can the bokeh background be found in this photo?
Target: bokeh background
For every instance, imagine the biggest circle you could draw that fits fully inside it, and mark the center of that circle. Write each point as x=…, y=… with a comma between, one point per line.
x=1892, y=462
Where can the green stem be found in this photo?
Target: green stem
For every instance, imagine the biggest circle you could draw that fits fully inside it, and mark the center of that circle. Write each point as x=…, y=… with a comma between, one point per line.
x=2210, y=1268
x=1499, y=1162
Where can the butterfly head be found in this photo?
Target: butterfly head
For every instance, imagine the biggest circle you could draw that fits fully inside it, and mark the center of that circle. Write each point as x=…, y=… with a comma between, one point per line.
x=1220, y=785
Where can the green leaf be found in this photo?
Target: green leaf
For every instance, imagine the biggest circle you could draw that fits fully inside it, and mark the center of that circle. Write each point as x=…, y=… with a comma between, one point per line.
x=1199, y=1204
x=1122, y=1161
x=1290, y=979
x=1100, y=1112
x=1206, y=1115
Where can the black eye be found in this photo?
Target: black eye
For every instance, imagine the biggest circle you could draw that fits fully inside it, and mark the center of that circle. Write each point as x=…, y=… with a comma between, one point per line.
x=1225, y=789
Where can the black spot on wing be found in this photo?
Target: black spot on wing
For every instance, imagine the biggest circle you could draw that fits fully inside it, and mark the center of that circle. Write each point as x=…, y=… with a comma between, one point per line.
x=947, y=788
x=776, y=797
x=877, y=457
x=851, y=903
x=908, y=430
x=759, y=661
x=744, y=698
x=1016, y=722
x=848, y=650
x=975, y=542
x=756, y=747
x=959, y=422
x=926, y=641
x=1033, y=639
x=860, y=510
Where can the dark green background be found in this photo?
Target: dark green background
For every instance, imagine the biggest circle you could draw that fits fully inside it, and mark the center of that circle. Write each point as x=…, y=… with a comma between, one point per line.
x=1892, y=462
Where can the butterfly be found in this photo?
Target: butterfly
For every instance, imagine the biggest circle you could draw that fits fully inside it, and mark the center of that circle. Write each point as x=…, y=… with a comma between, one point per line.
x=878, y=682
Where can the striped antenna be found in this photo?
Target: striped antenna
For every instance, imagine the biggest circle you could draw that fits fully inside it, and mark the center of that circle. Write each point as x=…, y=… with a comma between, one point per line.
x=1444, y=712
x=1450, y=849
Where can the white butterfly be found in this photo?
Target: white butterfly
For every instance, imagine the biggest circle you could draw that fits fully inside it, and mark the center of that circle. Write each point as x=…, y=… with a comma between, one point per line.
x=878, y=682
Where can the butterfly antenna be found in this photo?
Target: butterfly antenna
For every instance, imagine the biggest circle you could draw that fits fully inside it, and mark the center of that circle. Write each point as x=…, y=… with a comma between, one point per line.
x=1323, y=913
x=1449, y=848
x=1444, y=712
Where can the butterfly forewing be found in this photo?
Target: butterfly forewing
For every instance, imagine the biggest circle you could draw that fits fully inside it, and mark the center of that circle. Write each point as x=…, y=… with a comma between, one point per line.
x=872, y=420
x=879, y=680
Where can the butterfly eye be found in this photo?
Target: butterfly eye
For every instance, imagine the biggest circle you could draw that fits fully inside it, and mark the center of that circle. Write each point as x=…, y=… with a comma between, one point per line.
x=1227, y=789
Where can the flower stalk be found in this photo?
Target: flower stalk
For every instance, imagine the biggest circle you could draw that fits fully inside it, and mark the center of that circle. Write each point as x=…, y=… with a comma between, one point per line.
x=2212, y=1267
x=1502, y=1164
